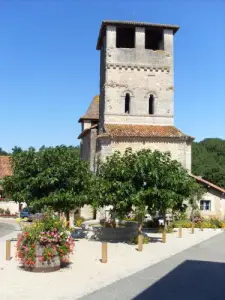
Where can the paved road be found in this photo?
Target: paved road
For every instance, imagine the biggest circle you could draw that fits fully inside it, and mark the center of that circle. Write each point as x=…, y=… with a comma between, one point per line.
x=197, y=273
x=6, y=228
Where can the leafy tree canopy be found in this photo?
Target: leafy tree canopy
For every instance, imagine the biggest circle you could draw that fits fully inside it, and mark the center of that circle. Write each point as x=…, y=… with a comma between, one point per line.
x=144, y=180
x=54, y=177
x=208, y=160
x=2, y=152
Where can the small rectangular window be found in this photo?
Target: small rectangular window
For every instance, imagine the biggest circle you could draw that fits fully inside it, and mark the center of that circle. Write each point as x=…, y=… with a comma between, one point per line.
x=153, y=39
x=205, y=205
x=125, y=37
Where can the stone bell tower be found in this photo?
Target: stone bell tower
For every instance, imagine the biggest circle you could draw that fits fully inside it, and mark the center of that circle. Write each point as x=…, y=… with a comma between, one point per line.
x=135, y=107
x=136, y=73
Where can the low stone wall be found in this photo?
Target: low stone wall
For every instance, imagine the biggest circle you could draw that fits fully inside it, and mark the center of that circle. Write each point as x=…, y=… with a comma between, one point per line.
x=11, y=205
x=112, y=234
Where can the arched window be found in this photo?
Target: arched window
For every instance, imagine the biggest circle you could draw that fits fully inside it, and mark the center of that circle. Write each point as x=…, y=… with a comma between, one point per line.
x=151, y=105
x=127, y=103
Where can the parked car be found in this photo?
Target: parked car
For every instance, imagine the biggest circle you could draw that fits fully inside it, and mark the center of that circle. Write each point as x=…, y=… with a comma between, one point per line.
x=25, y=213
x=30, y=214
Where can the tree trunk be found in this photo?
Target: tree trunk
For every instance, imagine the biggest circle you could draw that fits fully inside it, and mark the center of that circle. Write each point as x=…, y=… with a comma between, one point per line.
x=165, y=223
x=67, y=218
x=94, y=213
x=140, y=224
x=140, y=236
x=164, y=229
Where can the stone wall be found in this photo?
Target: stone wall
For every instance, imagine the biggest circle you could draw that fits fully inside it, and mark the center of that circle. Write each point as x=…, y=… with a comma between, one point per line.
x=140, y=84
x=11, y=205
x=139, y=72
x=85, y=147
x=180, y=150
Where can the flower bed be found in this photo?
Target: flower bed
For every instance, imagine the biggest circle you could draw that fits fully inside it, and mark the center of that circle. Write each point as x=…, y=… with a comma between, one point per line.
x=7, y=216
x=44, y=245
x=200, y=223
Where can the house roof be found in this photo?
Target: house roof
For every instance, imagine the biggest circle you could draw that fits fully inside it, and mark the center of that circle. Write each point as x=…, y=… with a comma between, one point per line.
x=131, y=24
x=5, y=166
x=205, y=182
x=92, y=112
x=118, y=130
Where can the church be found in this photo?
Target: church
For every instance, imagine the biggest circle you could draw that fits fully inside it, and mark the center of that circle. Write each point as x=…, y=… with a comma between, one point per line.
x=135, y=106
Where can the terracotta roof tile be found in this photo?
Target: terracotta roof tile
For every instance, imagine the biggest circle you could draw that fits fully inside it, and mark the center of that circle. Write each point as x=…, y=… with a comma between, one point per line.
x=203, y=181
x=93, y=110
x=118, y=130
x=5, y=166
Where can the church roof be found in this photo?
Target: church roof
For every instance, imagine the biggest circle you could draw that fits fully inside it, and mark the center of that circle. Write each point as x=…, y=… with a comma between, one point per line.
x=92, y=112
x=121, y=130
x=131, y=24
x=209, y=184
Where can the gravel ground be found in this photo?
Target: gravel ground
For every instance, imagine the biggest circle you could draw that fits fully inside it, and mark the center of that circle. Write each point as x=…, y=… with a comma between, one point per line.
x=86, y=272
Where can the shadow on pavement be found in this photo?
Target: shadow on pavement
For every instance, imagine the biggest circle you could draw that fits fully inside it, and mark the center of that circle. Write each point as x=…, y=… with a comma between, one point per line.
x=193, y=279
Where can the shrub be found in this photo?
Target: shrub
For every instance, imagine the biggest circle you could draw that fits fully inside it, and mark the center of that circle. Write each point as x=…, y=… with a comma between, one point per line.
x=169, y=229
x=7, y=211
x=79, y=221
x=182, y=223
x=197, y=217
x=223, y=225
x=216, y=223
x=131, y=218
x=110, y=224
x=209, y=223
x=177, y=215
x=151, y=224
x=146, y=240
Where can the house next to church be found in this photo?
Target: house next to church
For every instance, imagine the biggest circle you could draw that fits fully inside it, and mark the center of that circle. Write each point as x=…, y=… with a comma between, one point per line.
x=6, y=170
x=135, y=106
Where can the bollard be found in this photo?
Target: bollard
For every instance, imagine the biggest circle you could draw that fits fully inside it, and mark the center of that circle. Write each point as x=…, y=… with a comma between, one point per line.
x=193, y=228
x=8, y=250
x=202, y=228
x=164, y=236
x=180, y=232
x=140, y=242
x=104, y=252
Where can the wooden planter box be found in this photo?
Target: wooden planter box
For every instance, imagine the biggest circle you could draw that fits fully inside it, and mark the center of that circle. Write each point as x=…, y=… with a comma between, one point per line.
x=44, y=266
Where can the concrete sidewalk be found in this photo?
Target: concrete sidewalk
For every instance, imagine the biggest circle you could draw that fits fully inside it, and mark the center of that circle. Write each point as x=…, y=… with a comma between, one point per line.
x=197, y=273
x=86, y=273
x=8, y=230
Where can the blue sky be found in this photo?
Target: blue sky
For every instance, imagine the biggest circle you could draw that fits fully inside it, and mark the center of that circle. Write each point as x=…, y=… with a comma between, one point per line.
x=49, y=67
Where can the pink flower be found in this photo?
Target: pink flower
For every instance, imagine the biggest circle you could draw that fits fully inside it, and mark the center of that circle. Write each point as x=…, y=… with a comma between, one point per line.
x=41, y=258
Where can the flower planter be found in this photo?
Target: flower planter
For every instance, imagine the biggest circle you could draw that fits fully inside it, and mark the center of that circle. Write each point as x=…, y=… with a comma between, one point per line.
x=44, y=245
x=51, y=265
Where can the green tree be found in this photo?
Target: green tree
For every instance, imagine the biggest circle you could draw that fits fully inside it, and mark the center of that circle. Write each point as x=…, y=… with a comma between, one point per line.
x=54, y=177
x=208, y=160
x=2, y=152
x=149, y=181
x=16, y=149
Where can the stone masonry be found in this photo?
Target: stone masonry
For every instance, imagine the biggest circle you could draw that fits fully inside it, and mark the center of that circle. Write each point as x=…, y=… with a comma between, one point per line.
x=135, y=107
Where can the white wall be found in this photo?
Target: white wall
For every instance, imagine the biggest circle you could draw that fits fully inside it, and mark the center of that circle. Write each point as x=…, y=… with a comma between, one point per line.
x=11, y=205
x=217, y=204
